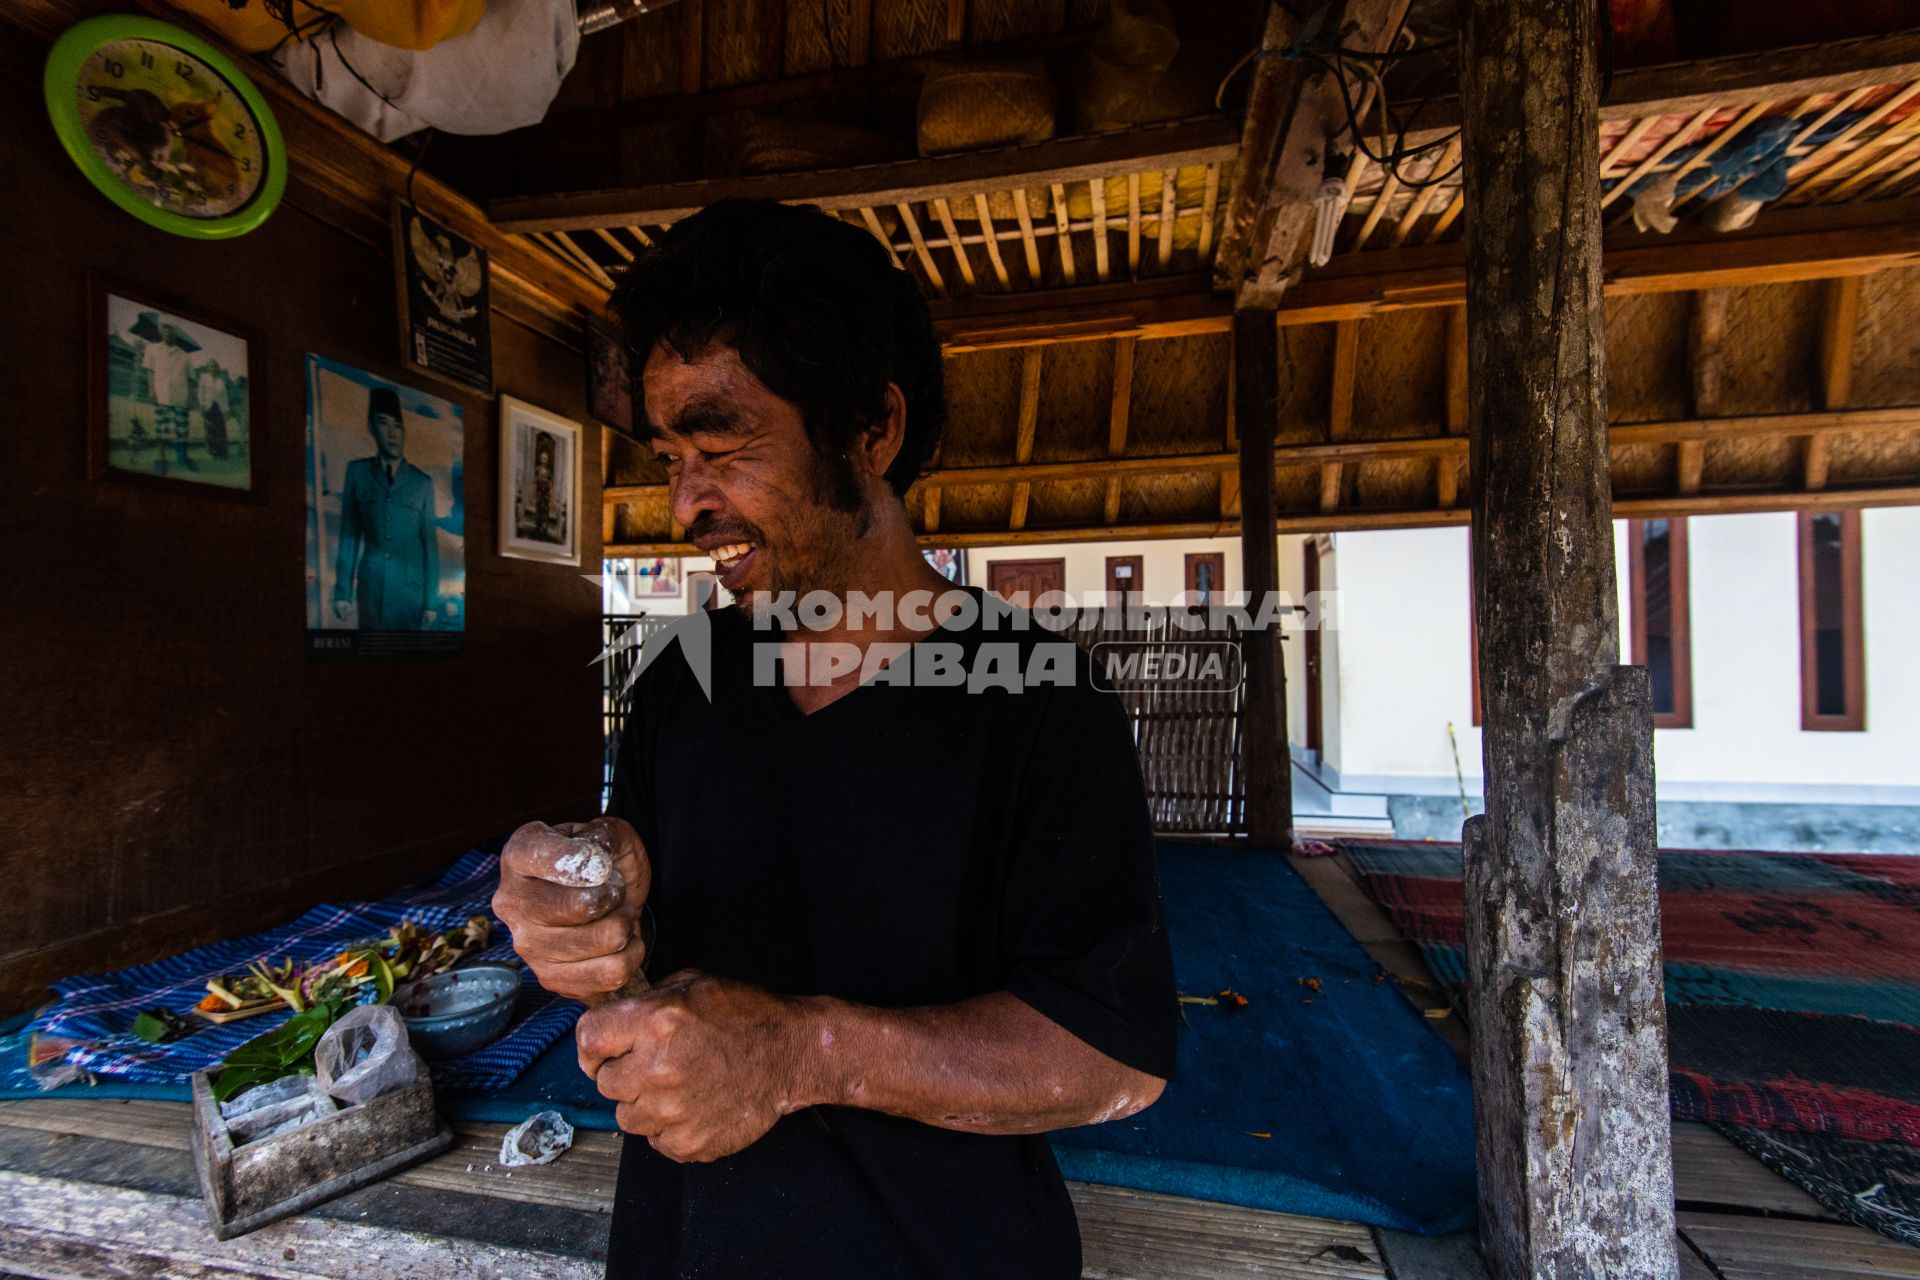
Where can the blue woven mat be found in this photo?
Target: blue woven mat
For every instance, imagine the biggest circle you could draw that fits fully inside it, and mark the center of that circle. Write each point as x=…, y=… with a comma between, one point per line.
x=1335, y=1101
x=98, y=1009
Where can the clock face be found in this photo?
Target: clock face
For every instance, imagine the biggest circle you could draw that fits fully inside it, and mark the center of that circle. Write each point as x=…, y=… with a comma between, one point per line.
x=165, y=126
x=171, y=127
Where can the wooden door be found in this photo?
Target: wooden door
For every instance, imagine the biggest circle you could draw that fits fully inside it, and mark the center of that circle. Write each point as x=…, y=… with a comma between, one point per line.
x=1022, y=582
x=1310, y=548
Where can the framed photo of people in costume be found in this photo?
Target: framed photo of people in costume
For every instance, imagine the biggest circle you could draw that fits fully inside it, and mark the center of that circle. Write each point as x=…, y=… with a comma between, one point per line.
x=386, y=517
x=539, y=484
x=171, y=395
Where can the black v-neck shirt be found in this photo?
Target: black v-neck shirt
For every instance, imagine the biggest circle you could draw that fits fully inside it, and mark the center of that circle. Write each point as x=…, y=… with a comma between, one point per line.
x=903, y=845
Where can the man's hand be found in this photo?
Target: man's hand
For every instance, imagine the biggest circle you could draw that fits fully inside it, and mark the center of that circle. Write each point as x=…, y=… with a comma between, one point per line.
x=579, y=942
x=701, y=1066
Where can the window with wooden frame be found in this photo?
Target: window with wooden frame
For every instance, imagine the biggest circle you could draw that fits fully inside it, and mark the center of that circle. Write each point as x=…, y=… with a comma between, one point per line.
x=1206, y=576
x=1126, y=579
x=1833, y=682
x=1661, y=636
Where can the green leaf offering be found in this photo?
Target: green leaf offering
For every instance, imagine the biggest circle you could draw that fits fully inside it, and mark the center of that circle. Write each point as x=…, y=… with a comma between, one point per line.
x=157, y=1026
x=285, y=1050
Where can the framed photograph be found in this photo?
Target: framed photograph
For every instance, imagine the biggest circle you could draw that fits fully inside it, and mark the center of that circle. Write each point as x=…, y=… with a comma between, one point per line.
x=656, y=576
x=949, y=562
x=610, y=373
x=171, y=395
x=386, y=517
x=446, y=322
x=539, y=484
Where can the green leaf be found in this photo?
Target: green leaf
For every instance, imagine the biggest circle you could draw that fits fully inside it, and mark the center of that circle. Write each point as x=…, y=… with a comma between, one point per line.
x=157, y=1026
x=285, y=1050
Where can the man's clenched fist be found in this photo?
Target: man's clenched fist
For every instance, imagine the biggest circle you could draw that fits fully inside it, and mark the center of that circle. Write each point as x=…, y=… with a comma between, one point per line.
x=579, y=942
x=701, y=1066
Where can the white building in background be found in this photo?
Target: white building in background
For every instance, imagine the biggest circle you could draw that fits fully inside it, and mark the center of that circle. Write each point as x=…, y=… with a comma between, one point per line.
x=1786, y=653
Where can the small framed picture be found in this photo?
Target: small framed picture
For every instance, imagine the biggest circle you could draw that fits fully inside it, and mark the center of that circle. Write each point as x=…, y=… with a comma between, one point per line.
x=171, y=395
x=446, y=315
x=539, y=484
x=610, y=374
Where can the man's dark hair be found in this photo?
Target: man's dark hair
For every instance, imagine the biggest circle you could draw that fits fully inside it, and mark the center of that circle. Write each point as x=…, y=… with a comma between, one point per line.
x=813, y=305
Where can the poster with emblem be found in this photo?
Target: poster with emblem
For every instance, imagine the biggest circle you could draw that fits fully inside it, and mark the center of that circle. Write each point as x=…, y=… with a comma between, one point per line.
x=386, y=517
x=445, y=320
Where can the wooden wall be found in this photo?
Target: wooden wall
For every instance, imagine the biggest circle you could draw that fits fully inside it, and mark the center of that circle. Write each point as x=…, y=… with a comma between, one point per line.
x=172, y=767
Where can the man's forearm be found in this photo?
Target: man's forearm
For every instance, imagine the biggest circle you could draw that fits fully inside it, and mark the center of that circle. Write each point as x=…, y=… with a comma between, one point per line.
x=991, y=1064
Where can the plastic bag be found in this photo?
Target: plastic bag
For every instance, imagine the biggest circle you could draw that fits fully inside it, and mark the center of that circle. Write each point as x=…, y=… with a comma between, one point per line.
x=501, y=75
x=287, y=1104
x=366, y=1054
x=539, y=1139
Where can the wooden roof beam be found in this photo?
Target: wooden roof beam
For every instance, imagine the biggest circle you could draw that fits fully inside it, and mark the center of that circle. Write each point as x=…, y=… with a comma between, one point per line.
x=1764, y=426
x=1294, y=111
x=1351, y=519
x=1685, y=88
x=1204, y=140
x=1818, y=243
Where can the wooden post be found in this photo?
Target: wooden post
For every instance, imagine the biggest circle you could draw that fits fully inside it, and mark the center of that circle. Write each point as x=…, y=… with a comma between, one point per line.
x=1269, y=766
x=1563, y=928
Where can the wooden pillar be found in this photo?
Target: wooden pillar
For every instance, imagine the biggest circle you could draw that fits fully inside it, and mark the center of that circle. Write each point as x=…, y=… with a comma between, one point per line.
x=1563, y=929
x=1269, y=767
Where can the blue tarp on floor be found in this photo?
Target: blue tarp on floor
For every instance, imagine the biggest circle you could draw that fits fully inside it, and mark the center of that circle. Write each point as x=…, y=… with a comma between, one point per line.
x=1366, y=1111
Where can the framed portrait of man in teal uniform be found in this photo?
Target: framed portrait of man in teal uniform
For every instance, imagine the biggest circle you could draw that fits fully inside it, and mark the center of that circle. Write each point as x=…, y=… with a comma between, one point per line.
x=386, y=514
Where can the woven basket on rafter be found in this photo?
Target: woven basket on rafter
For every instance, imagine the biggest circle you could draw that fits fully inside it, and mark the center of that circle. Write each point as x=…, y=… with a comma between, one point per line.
x=985, y=104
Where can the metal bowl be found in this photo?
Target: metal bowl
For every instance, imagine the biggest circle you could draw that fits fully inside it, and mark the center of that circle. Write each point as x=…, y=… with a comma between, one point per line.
x=455, y=1013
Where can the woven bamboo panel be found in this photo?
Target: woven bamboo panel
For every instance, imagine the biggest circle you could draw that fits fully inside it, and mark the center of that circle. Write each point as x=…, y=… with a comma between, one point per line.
x=1875, y=459
x=1886, y=343
x=1647, y=378
x=904, y=30
x=1306, y=372
x=1401, y=389
x=1179, y=395
x=981, y=422
x=1076, y=388
x=1771, y=349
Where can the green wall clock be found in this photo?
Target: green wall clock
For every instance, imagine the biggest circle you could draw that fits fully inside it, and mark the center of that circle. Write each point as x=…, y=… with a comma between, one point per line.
x=166, y=126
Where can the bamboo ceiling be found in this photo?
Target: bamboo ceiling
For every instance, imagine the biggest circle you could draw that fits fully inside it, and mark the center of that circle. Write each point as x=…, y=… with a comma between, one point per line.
x=1767, y=368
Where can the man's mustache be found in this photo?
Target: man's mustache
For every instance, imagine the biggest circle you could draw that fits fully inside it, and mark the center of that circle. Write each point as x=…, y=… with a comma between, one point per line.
x=706, y=525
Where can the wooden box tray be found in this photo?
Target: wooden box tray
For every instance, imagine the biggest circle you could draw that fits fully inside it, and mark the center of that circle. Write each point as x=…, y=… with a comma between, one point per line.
x=248, y=1186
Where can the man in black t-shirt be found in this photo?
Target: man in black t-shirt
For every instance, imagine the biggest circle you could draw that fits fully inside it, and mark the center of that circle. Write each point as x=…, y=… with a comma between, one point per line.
x=894, y=845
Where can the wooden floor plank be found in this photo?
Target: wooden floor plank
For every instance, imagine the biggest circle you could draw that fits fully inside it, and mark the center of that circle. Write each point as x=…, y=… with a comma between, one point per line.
x=1749, y=1248
x=1710, y=1171
x=581, y=1179
x=1138, y=1235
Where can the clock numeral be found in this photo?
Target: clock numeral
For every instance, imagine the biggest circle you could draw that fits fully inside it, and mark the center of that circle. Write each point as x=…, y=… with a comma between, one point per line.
x=146, y=59
x=93, y=93
x=113, y=67
x=239, y=131
x=246, y=164
x=183, y=69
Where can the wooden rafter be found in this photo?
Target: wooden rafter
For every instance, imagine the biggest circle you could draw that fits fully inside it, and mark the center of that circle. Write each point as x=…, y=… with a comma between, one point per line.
x=1838, y=322
x=1684, y=88
x=1769, y=426
x=1706, y=339
x=1349, y=519
x=1024, y=430
x=1346, y=369
x=1118, y=416
x=1814, y=243
x=1446, y=470
x=1061, y=160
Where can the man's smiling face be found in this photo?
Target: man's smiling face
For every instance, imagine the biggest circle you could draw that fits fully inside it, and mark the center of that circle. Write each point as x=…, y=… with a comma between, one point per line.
x=744, y=478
